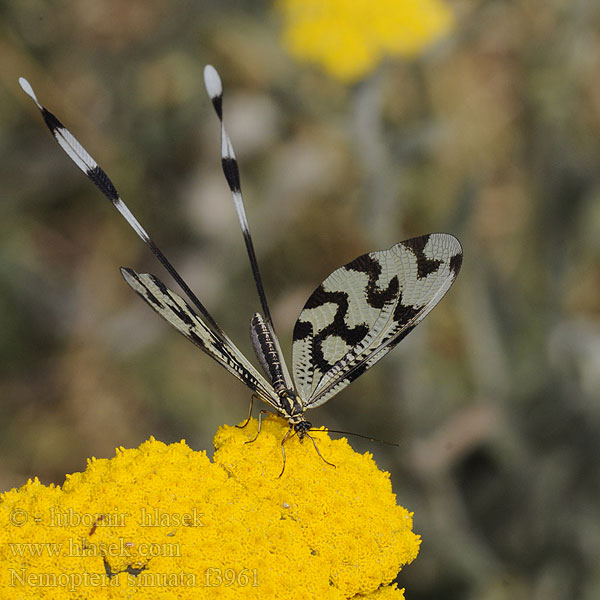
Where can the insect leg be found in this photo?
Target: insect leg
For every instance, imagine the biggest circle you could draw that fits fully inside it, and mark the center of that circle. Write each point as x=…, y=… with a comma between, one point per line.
x=260, y=418
x=318, y=451
x=249, y=413
x=285, y=437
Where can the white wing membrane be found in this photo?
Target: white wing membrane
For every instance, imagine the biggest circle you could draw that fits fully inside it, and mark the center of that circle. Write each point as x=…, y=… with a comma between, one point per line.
x=176, y=311
x=363, y=309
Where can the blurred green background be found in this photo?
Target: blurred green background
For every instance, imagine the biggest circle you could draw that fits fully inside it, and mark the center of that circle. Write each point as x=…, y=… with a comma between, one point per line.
x=492, y=134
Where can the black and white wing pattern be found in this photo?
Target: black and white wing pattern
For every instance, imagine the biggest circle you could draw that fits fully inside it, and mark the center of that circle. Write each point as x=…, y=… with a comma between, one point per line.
x=363, y=309
x=178, y=313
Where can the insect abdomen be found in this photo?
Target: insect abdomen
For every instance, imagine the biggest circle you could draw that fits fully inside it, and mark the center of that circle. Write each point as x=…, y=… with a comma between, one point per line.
x=266, y=351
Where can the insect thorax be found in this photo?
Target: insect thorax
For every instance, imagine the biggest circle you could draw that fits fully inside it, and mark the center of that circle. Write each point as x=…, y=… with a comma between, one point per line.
x=290, y=405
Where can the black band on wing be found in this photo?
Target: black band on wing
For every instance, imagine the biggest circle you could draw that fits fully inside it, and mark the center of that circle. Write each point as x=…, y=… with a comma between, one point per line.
x=425, y=265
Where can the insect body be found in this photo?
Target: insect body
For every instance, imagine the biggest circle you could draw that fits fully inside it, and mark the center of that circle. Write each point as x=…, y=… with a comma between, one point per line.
x=351, y=321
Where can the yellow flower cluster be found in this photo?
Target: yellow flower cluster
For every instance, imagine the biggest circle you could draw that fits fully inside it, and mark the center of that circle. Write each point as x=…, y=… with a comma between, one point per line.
x=350, y=37
x=163, y=521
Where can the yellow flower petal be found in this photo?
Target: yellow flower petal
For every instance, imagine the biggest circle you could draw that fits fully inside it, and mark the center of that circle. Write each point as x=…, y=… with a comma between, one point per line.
x=165, y=522
x=349, y=38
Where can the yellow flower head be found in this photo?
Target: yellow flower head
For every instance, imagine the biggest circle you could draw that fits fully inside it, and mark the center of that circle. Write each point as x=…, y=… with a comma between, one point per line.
x=348, y=38
x=167, y=522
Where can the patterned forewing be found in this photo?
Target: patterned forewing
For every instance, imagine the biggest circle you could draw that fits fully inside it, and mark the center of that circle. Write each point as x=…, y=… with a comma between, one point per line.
x=176, y=311
x=339, y=314
x=363, y=309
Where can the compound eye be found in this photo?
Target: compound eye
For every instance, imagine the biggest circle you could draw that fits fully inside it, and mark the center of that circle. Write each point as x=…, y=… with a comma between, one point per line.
x=304, y=426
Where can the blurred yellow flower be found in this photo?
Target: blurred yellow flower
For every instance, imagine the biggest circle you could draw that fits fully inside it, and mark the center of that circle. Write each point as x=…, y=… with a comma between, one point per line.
x=167, y=522
x=348, y=38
